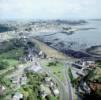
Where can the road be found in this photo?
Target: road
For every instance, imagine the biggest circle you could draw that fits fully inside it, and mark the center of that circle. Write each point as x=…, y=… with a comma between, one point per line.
x=67, y=82
x=66, y=92
x=63, y=92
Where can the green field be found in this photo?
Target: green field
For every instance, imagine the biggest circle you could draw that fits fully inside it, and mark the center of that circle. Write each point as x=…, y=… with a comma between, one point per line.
x=12, y=54
x=55, y=69
x=9, y=60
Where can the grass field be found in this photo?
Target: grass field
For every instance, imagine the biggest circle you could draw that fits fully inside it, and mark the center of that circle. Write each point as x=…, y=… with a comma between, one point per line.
x=11, y=58
x=55, y=69
x=12, y=54
x=12, y=63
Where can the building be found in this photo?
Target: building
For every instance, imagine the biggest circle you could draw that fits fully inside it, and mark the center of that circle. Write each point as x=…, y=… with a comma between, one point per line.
x=95, y=86
x=15, y=80
x=45, y=91
x=84, y=64
x=56, y=92
x=23, y=80
x=83, y=72
x=2, y=90
x=17, y=96
x=34, y=68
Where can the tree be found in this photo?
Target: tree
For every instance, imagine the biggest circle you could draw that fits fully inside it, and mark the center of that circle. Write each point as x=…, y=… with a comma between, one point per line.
x=34, y=83
x=3, y=65
x=71, y=76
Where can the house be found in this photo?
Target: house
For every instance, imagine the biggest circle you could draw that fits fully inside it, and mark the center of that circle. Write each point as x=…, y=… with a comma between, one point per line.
x=56, y=92
x=81, y=91
x=19, y=67
x=51, y=84
x=2, y=89
x=15, y=80
x=83, y=72
x=92, y=66
x=34, y=68
x=95, y=86
x=76, y=65
x=17, y=96
x=42, y=54
x=48, y=79
x=86, y=88
x=23, y=80
x=83, y=64
x=44, y=90
x=90, y=62
x=19, y=80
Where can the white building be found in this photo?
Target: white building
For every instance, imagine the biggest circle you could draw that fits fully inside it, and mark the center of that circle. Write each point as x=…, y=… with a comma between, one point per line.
x=17, y=96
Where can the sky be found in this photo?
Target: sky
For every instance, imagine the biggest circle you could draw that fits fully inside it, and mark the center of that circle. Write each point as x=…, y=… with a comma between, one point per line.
x=50, y=9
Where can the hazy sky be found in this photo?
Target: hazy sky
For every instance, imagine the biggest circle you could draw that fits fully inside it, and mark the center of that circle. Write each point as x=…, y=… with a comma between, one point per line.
x=49, y=9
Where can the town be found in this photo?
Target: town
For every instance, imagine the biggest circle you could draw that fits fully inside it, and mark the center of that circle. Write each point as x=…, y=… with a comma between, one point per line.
x=32, y=70
x=26, y=76
x=50, y=50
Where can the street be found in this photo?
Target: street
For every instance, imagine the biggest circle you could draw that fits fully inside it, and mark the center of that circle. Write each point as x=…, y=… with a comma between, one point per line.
x=67, y=82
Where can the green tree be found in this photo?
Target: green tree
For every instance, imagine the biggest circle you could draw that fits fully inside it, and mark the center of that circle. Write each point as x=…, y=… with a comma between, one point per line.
x=34, y=83
x=71, y=76
x=3, y=65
